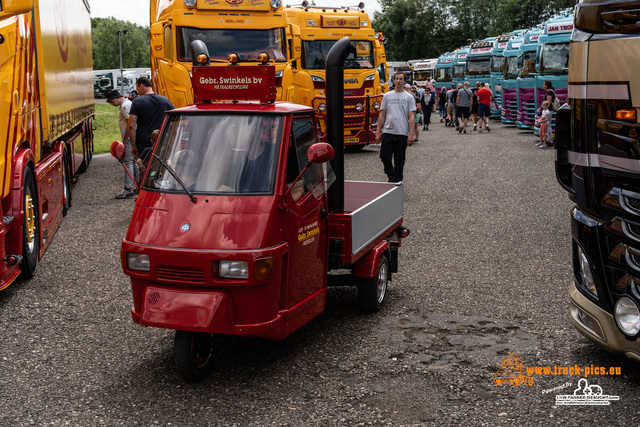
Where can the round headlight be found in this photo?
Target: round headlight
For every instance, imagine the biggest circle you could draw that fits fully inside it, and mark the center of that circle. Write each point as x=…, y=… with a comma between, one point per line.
x=322, y=107
x=376, y=105
x=276, y=3
x=359, y=107
x=190, y=3
x=627, y=316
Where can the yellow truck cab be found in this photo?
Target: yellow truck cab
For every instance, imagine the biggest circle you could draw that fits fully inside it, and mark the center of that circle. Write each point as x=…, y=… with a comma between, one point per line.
x=244, y=28
x=319, y=29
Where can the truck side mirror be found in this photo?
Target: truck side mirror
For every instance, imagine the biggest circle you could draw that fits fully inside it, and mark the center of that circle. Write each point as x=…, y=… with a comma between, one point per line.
x=157, y=40
x=117, y=149
x=320, y=152
x=16, y=7
x=296, y=43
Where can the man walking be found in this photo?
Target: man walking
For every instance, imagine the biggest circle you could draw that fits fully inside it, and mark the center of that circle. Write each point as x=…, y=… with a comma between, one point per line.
x=484, y=105
x=464, y=106
x=146, y=115
x=396, y=128
x=124, y=105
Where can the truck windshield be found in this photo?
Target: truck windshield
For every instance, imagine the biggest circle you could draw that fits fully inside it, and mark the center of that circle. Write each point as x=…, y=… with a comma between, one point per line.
x=528, y=64
x=458, y=71
x=555, y=58
x=497, y=66
x=217, y=154
x=478, y=67
x=314, y=54
x=422, y=75
x=248, y=44
x=443, y=75
x=511, y=69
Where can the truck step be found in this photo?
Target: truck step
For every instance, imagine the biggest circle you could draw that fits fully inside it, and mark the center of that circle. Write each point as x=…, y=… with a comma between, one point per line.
x=8, y=219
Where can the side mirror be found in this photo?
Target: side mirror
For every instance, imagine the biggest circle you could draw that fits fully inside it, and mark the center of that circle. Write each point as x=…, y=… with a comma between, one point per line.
x=157, y=40
x=320, y=152
x=117, y=149
x=296, y=43
x=16, y=7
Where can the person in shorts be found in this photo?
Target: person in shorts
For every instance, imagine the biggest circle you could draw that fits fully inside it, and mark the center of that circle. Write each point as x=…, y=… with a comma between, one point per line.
x=465, y=96
x=484, y=105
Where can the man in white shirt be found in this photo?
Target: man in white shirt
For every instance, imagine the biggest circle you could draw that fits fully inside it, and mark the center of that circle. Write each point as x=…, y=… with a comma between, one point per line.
x=396, y=128
x=117, y=100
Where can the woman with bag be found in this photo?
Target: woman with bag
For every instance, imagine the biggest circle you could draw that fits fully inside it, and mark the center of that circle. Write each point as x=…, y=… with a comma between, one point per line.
x=554, y=104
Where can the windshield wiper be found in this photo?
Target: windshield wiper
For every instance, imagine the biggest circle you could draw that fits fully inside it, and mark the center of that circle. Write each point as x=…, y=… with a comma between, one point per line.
x=177, y=178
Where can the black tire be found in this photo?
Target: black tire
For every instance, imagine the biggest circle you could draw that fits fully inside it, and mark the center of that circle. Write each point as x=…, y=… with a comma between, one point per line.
x=66, y=184
x=195, y=354
x=31, y=227
x=371, y=292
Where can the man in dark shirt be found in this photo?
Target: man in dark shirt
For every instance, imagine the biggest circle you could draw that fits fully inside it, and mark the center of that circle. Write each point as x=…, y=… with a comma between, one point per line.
x=145, y=116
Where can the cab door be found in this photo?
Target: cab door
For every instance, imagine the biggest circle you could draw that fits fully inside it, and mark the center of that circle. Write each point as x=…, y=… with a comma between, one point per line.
x=306, y=226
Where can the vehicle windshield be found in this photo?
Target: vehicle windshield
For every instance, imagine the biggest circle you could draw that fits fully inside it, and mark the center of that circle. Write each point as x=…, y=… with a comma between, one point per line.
x=511, y=68
x=443, y=75
x=217, y=154
x=314, y=54
x=458, y=71
x=422, y=75
x=497, y=66
x=528, y=64
x=478, y=67
x=248, y=44
x=554, y=58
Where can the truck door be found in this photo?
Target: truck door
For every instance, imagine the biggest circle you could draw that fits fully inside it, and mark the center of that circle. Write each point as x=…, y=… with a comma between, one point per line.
x=306, y=228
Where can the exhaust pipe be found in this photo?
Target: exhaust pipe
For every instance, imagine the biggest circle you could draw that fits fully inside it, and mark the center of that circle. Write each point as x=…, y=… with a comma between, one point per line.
x=335, y=117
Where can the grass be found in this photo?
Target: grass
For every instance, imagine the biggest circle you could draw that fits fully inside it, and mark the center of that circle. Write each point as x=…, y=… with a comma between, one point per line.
x=107, y=129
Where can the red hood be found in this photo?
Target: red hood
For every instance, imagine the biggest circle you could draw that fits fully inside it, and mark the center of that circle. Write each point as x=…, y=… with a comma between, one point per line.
x=214, y=222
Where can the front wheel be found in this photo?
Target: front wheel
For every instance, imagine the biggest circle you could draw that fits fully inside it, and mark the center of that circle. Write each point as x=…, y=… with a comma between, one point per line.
x=371, y=292
x=31, y=227
x=194, y=354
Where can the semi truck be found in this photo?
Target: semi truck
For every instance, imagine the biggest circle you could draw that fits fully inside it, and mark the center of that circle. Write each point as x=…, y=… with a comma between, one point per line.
x=459, y=65
x=496, y=73
x=526, y=81
x=233, y=30
x=424, y=71
x=319, y=29
x=509, y=88
x=45, y=122
x=103, y=82
x=444, y=70
x=598, y=164
x=478, y=67
x=553, y=62
x=399, y=67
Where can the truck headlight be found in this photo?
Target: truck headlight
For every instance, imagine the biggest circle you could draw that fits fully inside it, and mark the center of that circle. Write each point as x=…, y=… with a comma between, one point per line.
x=359, y=107
x=234, y=270
x=137, y=262
x=627, y=316
x=322, y=107
x=585, y=274
x=376, y=105
x=190, y=3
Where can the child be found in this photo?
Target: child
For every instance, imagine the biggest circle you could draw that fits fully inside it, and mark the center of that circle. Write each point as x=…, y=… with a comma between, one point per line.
x=543, y=121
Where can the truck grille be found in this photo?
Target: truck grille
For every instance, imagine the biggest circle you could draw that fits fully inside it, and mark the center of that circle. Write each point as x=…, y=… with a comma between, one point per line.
x=180, y=274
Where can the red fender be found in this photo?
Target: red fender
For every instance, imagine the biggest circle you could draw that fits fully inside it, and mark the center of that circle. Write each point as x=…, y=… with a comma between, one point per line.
x=367, y=266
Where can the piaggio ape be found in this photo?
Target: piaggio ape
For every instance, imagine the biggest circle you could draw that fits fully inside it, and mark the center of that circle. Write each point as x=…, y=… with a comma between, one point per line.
x=233, y=232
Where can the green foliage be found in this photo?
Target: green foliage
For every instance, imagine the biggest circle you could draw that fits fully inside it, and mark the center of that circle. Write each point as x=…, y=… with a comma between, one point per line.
x=428, y=28
x=106, y=52
x=107, y=129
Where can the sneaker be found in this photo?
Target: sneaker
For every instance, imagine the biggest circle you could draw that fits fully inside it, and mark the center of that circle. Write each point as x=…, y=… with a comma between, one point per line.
x=474, y=127
x=460, y=130
x=464, y=131
x=488, y=129
x=125, y=194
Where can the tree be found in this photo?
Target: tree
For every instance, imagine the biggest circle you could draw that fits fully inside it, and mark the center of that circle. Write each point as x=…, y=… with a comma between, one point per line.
x=106, y=52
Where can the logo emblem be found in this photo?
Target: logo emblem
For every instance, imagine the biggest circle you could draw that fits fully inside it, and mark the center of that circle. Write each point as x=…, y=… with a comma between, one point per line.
x=341, y=22
x=234, y=2
x=185, y=227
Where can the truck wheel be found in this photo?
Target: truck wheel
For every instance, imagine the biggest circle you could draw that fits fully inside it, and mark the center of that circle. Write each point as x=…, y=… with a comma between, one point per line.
x=371, y=292
x=66, y=184
x=194, y=353
x=31, y=227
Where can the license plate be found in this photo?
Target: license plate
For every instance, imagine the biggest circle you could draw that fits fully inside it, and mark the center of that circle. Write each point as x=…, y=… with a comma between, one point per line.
x=350, y=140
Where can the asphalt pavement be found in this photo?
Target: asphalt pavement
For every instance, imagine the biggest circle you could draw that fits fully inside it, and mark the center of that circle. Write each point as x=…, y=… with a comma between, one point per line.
x=483, y=276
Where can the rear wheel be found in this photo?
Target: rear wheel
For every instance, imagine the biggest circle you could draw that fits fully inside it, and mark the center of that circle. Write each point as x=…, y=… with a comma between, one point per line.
x=371, y=292
x=194, y=353
x=31, y=227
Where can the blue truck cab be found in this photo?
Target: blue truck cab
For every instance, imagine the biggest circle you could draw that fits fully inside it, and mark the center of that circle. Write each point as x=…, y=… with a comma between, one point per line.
x=526, y=81
x=444, y=70
x=509, y=76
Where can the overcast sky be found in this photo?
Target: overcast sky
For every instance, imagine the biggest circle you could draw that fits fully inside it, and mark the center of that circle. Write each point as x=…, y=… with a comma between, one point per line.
x=137, y=11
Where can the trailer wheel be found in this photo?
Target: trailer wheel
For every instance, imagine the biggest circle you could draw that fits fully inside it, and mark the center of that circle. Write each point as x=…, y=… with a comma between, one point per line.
x=371, y=292
x=31, y=227
x=194, y=353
